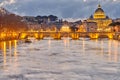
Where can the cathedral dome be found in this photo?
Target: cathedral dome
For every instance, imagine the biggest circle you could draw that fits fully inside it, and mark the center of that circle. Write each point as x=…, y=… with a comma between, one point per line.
x=99, y=13
x=99, y=9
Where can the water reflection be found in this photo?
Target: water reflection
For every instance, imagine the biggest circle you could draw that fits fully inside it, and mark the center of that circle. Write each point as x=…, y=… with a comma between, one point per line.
x=116, y=45
x=113, y=50
x=9, y=53
x=83, y=45
x=109, y=50
x=15, y=48
x=15, y=55
x=4, y=55
x=49, y=43
x=10, y=49
x=104, y=47
x=96, y=58
x=66, y=42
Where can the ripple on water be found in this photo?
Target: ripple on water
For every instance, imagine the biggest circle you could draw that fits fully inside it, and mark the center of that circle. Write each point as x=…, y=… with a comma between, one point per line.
x=68, y=61
x=34, y=49
x=17, y=77
x=54, y=54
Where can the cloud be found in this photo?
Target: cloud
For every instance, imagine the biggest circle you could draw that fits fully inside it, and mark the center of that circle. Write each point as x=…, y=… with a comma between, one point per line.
x=6, y=2
x=63, y=8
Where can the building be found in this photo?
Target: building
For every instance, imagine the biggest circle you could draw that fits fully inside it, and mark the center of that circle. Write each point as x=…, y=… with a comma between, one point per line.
x=65, y=28
x=100, y=18
x=115, y=26
x=88, y=27
x=116, y=20
x=81, y=28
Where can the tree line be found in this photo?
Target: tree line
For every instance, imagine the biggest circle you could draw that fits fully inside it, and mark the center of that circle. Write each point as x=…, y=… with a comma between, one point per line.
x=12, y=23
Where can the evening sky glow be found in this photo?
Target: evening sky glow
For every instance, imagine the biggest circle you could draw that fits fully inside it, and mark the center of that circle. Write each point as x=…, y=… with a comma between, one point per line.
x=62, y=8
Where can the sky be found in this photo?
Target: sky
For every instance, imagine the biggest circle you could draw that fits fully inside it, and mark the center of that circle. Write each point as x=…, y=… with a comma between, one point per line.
x=71, y=9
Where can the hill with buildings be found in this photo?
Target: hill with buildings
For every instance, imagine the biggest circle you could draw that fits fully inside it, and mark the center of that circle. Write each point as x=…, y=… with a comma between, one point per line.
x=10, y=22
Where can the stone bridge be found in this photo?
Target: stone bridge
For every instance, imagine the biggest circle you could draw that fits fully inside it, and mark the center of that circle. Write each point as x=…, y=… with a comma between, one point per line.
x=73, y=35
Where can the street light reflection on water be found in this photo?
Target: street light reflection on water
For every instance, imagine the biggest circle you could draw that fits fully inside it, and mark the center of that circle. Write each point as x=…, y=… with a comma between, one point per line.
x=64, y=56
x=9, y=54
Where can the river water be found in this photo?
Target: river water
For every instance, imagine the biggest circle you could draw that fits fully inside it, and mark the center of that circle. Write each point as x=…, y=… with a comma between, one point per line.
x=64, y=59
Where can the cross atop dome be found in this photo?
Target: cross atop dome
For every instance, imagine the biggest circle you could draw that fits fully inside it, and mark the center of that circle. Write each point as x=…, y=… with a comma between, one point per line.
x=99, y=6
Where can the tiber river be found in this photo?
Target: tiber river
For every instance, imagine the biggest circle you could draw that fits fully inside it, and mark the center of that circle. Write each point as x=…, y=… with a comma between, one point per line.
x=64, y=59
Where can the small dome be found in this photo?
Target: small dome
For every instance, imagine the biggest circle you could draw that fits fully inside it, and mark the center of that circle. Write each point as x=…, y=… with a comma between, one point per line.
x=91, y=17
x=107, y=17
